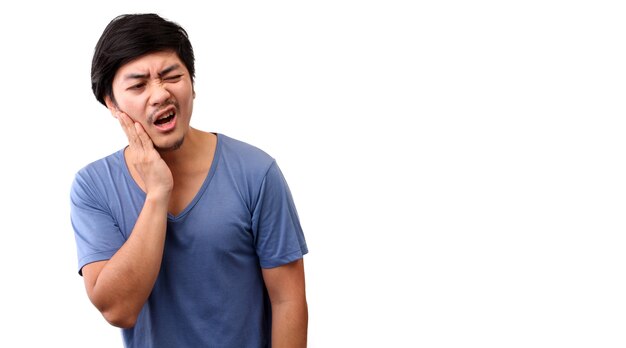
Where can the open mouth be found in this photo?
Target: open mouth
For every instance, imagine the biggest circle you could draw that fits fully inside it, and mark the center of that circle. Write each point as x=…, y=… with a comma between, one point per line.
x=165, y=119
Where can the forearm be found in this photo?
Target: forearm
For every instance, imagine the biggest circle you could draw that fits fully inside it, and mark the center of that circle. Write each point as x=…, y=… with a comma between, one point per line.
x=125, y=282
x=289, y=324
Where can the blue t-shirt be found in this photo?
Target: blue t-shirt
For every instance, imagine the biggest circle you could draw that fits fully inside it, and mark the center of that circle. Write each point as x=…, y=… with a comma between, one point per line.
x=210, y=290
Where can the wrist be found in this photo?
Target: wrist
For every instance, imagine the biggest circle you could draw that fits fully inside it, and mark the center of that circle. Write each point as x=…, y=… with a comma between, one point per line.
x=159, y=196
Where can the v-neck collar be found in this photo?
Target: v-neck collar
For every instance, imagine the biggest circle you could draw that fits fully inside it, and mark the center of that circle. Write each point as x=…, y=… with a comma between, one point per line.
x=205, y=184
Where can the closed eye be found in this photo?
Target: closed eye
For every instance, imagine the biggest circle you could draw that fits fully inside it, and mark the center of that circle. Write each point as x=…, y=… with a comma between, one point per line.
x=137, y=86
x=173, y=77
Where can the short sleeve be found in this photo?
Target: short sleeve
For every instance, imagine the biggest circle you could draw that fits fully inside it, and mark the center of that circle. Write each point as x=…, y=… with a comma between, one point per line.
x=275, y=224
x=97, y=234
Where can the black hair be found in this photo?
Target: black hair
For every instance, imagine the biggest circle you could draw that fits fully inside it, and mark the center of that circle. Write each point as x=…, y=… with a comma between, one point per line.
x=131, y=36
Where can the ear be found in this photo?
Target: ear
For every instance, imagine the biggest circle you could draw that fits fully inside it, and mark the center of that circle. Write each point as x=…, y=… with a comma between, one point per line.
x=112, y=106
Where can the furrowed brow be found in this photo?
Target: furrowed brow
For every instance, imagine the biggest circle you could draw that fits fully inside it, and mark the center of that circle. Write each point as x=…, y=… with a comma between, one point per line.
x=169, y=69
x=135, y=76
x=162, y=73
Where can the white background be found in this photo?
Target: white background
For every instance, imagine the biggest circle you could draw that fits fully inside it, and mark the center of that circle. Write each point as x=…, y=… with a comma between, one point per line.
x=458, y=166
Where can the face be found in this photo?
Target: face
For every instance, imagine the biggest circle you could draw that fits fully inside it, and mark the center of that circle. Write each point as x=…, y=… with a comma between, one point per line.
x=156, y=91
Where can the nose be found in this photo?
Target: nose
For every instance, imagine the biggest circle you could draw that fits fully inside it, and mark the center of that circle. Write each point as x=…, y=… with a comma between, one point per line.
x=159, y=94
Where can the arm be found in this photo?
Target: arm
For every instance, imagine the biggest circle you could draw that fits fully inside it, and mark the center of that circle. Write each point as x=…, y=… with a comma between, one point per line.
x=286, y=288
x=120, y=286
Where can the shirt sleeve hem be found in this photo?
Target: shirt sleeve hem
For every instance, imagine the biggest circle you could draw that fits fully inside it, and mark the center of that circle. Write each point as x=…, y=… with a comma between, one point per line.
x=100, y=256
x=284, y=259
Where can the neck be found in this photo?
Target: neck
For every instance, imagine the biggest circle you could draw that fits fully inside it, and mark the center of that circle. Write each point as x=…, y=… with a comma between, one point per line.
x=188, y=153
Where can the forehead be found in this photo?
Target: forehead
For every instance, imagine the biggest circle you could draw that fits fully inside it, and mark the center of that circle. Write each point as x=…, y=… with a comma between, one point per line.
x=151, y=63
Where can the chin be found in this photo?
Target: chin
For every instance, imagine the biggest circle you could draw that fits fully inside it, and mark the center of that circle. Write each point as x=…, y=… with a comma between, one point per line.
x=170, y=147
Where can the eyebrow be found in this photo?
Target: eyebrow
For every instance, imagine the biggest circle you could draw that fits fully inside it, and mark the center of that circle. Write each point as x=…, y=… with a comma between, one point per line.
x=145, y=76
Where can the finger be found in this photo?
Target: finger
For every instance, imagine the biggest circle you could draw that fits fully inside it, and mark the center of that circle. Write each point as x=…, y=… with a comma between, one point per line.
x=123, y=120
x=144, y=138
x=129, y=129
x=120, y=118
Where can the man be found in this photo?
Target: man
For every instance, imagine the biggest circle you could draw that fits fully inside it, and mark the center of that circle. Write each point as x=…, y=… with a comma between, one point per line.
x=185, y=238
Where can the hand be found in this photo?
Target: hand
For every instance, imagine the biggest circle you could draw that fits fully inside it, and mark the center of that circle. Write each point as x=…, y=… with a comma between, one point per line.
x=154, y=172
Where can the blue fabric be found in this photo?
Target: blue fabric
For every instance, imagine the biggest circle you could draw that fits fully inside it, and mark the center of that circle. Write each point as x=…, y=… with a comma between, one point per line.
x=210, y=290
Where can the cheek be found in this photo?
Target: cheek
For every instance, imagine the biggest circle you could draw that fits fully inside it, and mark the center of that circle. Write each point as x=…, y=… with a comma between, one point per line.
x=189, y=111
x=190, y=105
x=133, y=109
x=187, y=103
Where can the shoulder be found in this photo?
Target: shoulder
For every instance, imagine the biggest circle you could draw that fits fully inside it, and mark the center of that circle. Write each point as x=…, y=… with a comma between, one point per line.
x=98, y=175
x=241, y=156
x=244, y=166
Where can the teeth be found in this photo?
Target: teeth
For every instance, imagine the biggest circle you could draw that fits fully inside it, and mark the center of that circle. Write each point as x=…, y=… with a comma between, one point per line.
x=166, y=116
